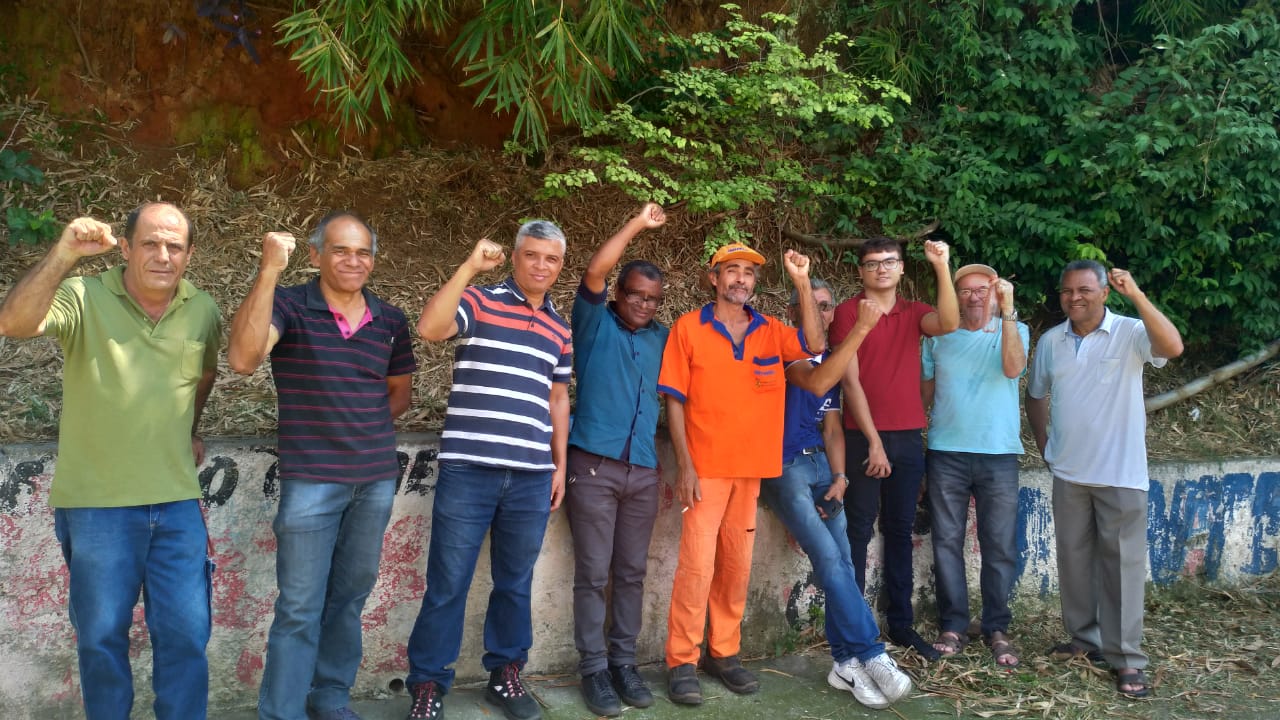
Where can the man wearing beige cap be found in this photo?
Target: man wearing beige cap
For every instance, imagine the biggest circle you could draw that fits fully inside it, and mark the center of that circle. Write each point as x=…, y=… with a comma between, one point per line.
x=723, y=374
x=970, y=377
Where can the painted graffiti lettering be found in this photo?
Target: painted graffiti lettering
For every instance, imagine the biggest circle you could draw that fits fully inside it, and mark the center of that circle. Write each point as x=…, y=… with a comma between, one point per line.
x=226, y=468
x=22, y=476
x=1187, y=533
x=423, y=471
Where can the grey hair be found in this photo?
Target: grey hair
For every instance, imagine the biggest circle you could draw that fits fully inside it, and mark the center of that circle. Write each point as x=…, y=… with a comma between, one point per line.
x=1092, y=266
x=540, y=230
x=814, y=283
x=317, y=236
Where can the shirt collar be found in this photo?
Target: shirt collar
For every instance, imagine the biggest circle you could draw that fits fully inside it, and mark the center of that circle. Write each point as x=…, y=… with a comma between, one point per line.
x=510, y=285
x=1108, y=319
x=708, y=314
x=316, y=301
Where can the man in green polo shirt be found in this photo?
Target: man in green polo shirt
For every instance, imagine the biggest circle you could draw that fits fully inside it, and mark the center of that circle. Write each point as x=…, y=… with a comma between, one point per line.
x=141, y=349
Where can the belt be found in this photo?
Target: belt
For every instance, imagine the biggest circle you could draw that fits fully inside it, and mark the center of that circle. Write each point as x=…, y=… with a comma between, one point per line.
x=813, y=450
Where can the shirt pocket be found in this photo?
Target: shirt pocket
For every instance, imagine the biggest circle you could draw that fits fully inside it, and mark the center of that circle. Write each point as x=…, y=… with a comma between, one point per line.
x=768, y=373
x=1108, y=370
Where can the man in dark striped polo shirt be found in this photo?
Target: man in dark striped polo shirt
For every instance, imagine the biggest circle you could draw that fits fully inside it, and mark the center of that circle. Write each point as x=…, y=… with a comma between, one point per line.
x=502, y=463
x=343, y=365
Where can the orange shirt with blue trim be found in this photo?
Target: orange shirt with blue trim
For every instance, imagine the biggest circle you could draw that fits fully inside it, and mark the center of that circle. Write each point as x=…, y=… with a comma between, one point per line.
x=734, y=396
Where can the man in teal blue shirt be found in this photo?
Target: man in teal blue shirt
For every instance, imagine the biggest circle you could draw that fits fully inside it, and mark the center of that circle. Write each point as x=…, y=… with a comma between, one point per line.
x=612, y=492
x=970, y=376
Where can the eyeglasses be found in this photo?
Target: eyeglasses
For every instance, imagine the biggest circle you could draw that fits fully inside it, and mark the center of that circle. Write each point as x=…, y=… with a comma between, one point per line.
x=874, y=265
x=635, y=297
x=974, y=292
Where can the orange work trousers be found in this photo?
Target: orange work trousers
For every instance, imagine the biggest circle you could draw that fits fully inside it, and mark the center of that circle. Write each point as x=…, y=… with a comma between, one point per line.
x=716, y=539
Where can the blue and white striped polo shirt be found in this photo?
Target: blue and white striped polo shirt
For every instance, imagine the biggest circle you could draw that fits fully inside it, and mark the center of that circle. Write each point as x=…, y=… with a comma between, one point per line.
x=508, y=354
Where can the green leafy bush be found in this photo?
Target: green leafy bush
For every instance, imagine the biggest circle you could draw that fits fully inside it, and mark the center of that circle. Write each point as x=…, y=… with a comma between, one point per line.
x=26, y=227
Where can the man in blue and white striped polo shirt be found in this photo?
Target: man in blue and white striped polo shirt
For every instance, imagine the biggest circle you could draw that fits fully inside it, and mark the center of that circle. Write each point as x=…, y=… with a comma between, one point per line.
x=502, y=463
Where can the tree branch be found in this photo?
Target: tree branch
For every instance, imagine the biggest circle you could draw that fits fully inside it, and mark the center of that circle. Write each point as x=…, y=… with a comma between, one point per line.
x=1222, y=374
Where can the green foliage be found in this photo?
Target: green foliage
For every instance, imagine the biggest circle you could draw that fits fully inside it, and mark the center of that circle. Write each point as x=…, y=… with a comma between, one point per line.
x=543, y=61
x=26, y=227
x=1037, y=150
x=751, y=119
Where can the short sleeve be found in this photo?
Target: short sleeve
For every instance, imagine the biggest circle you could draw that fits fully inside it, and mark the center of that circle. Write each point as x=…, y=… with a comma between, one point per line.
x=63, y=318
x=213, y=338
x=564, y=368
x=468, y=306
x=402, y=359
x=918, y=311
x=926, y=358
x=1142, y=346
x=589, y=310
x=1038, y=383
x=673, y=378
x=280, y=313
x=791, y=344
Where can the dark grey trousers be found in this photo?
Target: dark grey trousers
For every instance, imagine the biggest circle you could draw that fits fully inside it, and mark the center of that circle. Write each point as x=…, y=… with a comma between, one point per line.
x=611, y=507
x=1102, y=568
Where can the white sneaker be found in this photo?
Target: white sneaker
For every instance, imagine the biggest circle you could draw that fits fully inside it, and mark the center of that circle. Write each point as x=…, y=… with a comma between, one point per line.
x=892, y=682
x=850, y=676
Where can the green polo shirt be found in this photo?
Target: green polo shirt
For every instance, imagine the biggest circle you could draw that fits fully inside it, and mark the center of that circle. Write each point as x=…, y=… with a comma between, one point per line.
x=128, y=392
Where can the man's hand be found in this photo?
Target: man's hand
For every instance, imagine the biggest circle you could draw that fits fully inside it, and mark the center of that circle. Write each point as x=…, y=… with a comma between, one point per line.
x=1004, y=295
x=877, y=463
x=869, y=313
x=276, y=248
x=796, y=263
x=688, y=490
x=1124, y=283
x=557, y=489
x=937, y=253
x=486, y=256
x=85, y=237
x=652, y=215
x=197, y=449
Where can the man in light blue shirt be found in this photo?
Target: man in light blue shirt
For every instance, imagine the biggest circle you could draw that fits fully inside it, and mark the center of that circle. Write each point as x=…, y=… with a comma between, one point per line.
x=970, y=377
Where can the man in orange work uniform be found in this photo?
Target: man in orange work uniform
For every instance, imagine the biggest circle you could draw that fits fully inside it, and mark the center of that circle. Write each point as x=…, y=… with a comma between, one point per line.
x=723, y=377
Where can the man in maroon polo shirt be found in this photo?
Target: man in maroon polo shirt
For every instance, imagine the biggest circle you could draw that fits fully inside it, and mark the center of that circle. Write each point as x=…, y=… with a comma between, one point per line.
x=884, y=417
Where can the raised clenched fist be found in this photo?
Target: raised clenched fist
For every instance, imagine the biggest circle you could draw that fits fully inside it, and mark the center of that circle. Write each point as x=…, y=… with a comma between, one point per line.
x=276, y=248
x=486, y=256
x=85, y=236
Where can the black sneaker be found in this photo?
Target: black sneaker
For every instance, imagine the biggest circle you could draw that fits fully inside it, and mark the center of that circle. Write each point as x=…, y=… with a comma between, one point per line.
x=428, y=701
x=632, y=688
x=683, y=686
x=907, y=637
x=729, y=671
x=507, y=692
x=598, y=693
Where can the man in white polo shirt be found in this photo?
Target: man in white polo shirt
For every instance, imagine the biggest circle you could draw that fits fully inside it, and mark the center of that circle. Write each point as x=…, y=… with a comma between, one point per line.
x=1085, y=406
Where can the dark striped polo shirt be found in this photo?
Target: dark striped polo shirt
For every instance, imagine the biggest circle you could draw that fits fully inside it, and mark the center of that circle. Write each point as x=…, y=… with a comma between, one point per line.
x=508, y=354
x=335, y=414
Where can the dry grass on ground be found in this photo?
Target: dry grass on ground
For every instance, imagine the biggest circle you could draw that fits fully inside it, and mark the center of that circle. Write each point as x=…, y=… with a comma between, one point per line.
x=429, y=208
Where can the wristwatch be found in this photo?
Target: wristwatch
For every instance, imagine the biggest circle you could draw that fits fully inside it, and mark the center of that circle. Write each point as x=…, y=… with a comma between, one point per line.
x=1011, y=316
x=840, y=476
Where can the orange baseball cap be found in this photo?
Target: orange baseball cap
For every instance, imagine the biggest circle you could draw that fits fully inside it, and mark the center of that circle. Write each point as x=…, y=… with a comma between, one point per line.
x=735, y=251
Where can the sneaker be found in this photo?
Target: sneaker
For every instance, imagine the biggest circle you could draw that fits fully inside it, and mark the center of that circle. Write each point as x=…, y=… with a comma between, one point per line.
x=507, y=692
x=887, y=676
x=632, y=688
x=907, y=637
x=683, y=686
x=598, y=693
x=849, y=675
x=342, y=713
x=729, y=671
x=428, y=701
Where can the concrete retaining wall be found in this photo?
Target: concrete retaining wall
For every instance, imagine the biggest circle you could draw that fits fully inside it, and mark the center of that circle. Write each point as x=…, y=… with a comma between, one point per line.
x=1221, y=520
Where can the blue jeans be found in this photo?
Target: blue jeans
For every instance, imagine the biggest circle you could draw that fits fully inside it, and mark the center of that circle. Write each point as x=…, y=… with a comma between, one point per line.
x=992, y=480
x=894, y=500
x=850, y=626
x=328, y=544
x=112, y=554
x=471, y=501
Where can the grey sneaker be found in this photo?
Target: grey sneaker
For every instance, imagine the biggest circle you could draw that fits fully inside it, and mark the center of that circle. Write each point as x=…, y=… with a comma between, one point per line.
x=729, y=671
x=850, y=676
x=683, y=686
x=342, y=713
x=598, y=693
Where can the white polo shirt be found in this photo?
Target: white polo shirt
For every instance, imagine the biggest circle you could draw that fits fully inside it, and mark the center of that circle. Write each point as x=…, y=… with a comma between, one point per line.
x=1097, y=421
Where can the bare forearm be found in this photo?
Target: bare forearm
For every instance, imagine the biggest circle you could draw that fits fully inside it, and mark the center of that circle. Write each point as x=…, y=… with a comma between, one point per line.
x=833, y=441
x=1038, y=419
x=251, y=327
x=815, y=338
x=203, y=390
x=948, y=305
x=856, y=399
x=24, y=310
x=559, y=425
x=608, y=255
x=675, y=425
x=1013, y=357
x=439, y=316
x=1166, y=341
